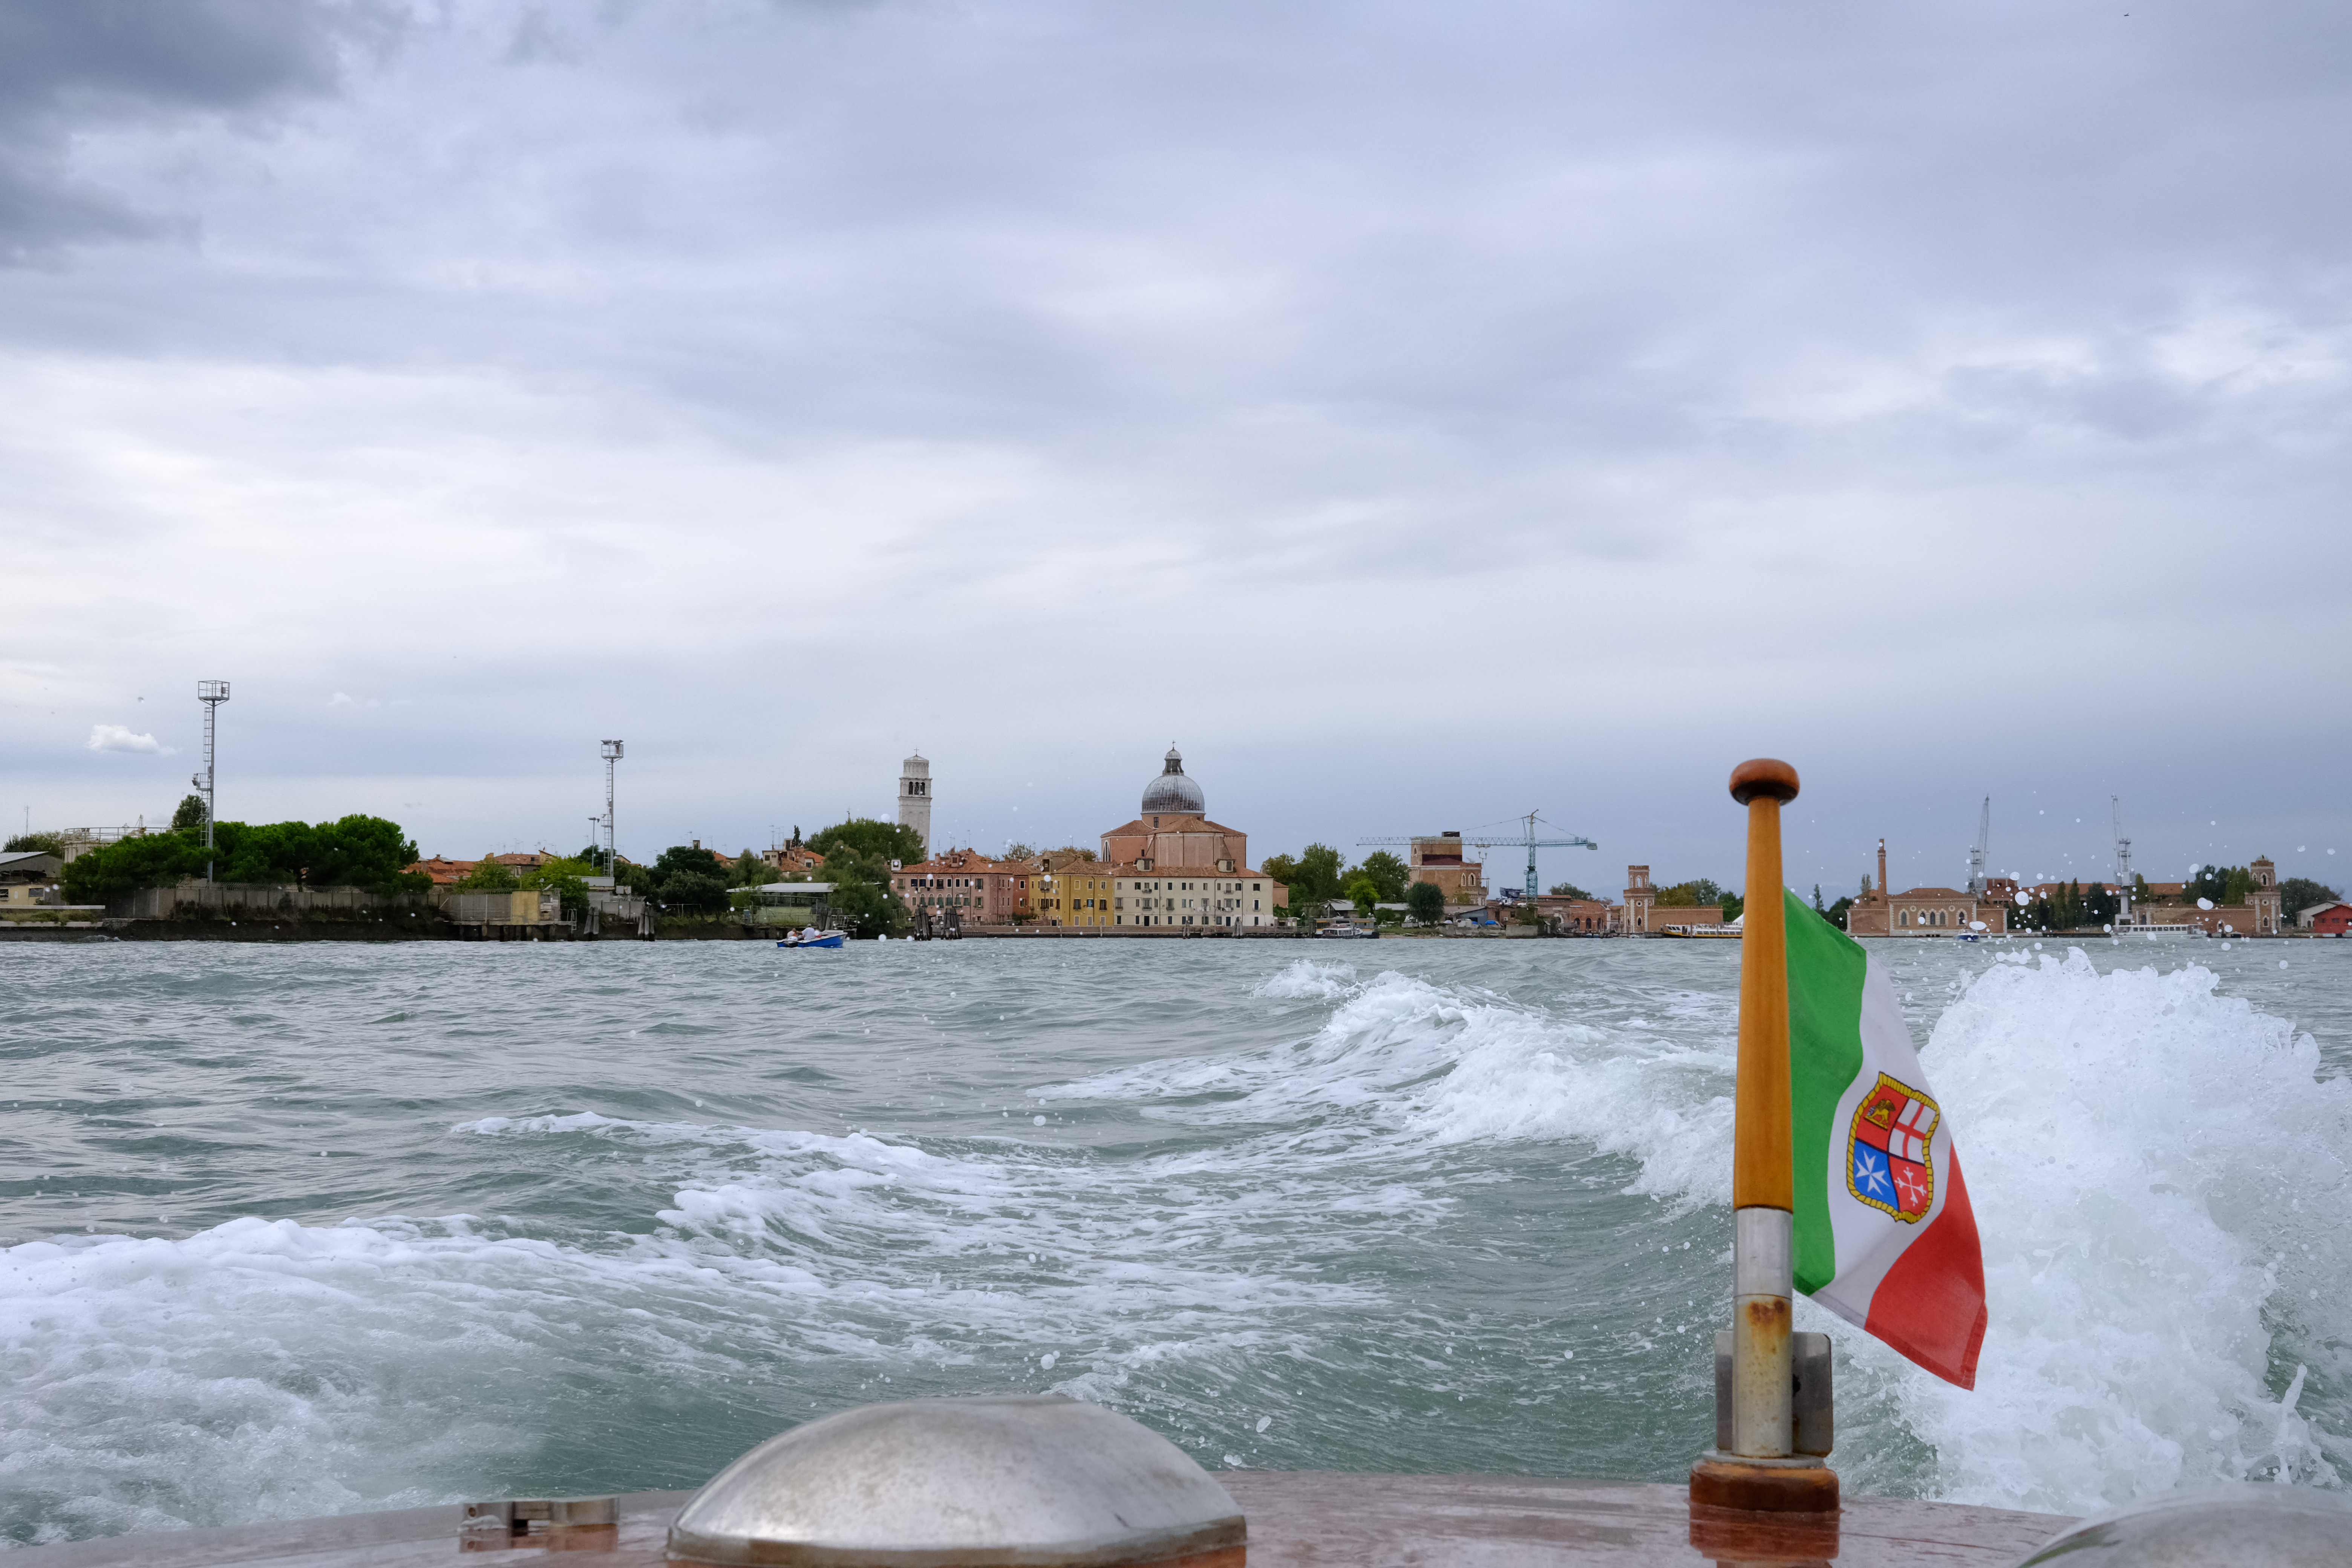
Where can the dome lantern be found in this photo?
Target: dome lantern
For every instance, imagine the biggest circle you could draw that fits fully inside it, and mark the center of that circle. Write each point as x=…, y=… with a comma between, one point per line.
x=1171, y=792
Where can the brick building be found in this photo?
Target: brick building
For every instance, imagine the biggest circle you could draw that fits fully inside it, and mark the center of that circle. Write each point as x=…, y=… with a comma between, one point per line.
x=1929, y=912
x=1443, y=860
x=984, y=891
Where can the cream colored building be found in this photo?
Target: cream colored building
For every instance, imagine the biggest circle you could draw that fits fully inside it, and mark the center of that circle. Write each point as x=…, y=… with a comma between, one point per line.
x=1241, y=899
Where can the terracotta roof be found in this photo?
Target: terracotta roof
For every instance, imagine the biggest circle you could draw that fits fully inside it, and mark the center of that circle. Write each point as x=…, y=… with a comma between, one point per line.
x=966, y=863
x=1170, y=823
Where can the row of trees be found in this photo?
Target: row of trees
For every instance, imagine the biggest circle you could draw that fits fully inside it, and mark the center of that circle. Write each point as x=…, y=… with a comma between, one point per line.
x=857, y=853
x=1318, y=874
x=355, y=851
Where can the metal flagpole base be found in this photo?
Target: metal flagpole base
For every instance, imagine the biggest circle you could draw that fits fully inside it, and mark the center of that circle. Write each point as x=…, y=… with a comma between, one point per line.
x=1803, y=1484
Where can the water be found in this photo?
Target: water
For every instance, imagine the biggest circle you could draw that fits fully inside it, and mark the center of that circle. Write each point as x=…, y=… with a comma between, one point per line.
x=296, y=1230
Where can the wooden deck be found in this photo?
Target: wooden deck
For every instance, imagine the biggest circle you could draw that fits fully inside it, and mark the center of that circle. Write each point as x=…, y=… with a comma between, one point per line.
x=1296, y=1519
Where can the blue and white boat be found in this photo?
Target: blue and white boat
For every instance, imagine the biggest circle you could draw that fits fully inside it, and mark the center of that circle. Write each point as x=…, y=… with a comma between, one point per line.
x=814, y=939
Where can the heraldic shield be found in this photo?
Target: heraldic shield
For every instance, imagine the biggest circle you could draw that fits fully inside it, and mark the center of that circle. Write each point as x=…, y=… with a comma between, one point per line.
x=1887, y=1161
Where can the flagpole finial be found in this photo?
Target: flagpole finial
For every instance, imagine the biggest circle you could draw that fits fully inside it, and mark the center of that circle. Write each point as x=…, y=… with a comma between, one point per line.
x=1768, y=777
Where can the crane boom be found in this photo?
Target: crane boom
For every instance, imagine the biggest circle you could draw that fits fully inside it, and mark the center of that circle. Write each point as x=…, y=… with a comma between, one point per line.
x=1977, y=854
x=1497, y=841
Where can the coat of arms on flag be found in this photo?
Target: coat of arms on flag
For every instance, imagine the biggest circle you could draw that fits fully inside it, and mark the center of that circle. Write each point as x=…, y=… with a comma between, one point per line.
x=1888, y=1163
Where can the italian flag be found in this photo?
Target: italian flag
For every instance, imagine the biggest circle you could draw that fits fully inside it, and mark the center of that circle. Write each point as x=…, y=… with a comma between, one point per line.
x=1884, y=1238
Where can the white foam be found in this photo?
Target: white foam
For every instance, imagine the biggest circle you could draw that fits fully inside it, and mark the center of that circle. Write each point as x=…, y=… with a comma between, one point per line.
x=1307, y=978
x=2158, y=1173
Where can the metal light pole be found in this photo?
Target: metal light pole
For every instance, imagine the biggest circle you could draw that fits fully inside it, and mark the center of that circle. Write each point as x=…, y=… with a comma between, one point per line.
x=212, y=694
x=613, y=750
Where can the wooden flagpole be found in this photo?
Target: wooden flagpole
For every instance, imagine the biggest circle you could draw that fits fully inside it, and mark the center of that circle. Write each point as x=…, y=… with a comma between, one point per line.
x=1760, y=1468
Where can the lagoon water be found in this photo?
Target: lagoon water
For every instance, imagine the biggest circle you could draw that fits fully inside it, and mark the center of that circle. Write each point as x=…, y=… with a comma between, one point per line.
x=307, y=1229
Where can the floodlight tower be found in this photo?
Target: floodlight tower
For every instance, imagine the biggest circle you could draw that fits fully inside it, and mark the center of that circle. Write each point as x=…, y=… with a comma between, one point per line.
x=2123, y=861
x=612, y=838
x=212, y=694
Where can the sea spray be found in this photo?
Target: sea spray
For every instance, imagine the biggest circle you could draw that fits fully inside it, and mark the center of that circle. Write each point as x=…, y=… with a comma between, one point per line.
x=2161, y=1181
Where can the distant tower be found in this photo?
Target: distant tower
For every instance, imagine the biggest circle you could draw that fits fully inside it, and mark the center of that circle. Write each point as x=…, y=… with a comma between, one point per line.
x=2267, y=898
x=212, y=694
x=915, y=799
x=1639, y=898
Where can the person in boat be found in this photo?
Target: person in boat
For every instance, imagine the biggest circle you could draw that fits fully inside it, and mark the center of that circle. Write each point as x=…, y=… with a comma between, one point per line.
x=792, y=937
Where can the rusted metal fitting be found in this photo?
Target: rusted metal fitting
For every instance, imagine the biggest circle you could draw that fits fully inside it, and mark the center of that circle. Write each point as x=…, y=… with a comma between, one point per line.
x=1760, y=1319
x=558, y=1524
x=1813, y=1407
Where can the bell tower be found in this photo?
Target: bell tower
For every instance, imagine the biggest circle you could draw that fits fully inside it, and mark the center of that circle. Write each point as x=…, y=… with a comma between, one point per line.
x=2265, y=896
x=1639, y=896
x=915, y=799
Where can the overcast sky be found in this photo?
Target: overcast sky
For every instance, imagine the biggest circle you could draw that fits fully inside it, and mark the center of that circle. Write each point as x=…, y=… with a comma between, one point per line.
x=1420, y=415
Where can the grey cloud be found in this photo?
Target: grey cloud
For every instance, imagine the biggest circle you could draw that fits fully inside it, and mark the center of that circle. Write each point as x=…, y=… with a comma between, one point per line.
x=1546, y=342
x=68, y=68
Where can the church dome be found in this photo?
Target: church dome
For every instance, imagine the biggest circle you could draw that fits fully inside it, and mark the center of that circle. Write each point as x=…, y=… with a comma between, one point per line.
x=1172, y=792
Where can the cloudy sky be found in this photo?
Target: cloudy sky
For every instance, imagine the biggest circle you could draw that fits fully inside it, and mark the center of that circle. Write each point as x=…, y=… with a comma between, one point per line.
x=1421, y=414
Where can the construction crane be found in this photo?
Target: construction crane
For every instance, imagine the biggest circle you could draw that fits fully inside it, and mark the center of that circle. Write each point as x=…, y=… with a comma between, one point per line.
x=1493, y=841
x=1977, y=888
x=2123, y=861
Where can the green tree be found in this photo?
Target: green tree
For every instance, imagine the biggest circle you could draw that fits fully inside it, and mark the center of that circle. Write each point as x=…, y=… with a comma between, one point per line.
x=1387, y=873
x=863, y=903
x=2214, y=882
x=355, y=851
x=1068, y=853
x=189, y=817
x=883, y=841
x=489, y=875
x=112, y=870
x=1363, y=892
x=592, y=857
x=1689, y=895
x=1317, y=874
x=2295, y=894
x=1569, y=890
x=1017, y=850
x=45, y=843
x=1281, y=868
x=749, y=871
x=1837, y=913
x=1425, y=902
x=1732, y=905
x=568, y=876
x=686, y=879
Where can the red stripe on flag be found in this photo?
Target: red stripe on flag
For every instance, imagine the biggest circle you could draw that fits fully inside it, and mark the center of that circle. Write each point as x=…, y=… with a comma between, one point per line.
x=1931, y=1304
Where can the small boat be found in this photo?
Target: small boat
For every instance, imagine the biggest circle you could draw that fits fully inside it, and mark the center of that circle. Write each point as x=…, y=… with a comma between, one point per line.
x=816, y=939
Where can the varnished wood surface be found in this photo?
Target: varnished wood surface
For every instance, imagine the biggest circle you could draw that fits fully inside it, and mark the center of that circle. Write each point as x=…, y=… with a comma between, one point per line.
x=1296, y=1520
x=1763, y=1167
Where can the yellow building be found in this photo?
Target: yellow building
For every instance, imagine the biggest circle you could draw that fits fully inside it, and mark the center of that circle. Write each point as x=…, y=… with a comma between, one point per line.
x=1072, y=893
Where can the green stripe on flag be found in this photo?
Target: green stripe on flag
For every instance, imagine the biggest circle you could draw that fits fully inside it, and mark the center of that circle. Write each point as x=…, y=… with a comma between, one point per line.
x=1825, y=971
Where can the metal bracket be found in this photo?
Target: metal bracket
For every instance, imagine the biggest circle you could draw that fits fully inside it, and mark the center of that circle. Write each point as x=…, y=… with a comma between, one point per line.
x=1812, y=1398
